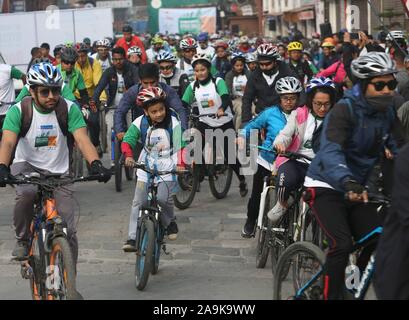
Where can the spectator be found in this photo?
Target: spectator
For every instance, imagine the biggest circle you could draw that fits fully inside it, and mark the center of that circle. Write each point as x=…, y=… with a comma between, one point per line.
x=129, y=40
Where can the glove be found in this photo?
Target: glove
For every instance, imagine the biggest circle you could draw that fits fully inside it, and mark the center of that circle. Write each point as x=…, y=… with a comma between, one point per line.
x=355, y=187
x=99, y=170
x=4, y=175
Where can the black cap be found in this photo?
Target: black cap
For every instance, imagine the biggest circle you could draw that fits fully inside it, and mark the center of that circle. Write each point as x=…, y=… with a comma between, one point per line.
x=127, y=28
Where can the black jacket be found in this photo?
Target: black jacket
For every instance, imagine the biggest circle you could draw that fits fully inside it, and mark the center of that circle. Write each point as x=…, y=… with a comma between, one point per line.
x=258, y=91
x=109, y=81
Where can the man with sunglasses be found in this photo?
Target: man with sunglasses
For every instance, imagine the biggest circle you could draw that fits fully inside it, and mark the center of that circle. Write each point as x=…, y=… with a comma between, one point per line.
x=42, y=145
x=260, y=88
x=354, y=135
x=171, y=75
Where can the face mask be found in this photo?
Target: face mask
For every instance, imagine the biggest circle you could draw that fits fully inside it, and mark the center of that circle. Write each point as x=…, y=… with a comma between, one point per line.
x=380, y=103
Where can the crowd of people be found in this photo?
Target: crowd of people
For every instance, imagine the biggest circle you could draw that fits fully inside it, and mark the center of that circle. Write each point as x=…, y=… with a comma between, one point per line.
x=341, y=100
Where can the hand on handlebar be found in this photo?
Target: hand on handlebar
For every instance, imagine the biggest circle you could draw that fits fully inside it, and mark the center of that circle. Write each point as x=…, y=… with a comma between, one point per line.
x=241, y=142
x=130, y=162
x=4, y=175
x=120, y=136
x=280, y=148
x=220, y=113
x=355, y=191
x=92, y=105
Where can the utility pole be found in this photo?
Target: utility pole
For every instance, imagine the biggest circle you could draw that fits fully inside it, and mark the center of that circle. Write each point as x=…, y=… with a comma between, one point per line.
x=260, y=17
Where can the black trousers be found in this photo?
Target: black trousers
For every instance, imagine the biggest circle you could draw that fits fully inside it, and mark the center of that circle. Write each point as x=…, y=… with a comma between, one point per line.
x=342, y=221
x=253, y=205
x=290, y=176
x=93, y=127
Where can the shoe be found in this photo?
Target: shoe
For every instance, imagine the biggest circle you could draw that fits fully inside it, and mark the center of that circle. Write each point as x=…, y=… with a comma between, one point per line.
x=172, y=231
x=248, y=229
x=276, y=213
x=20, y=250
x=243, y=188
x=129, y=246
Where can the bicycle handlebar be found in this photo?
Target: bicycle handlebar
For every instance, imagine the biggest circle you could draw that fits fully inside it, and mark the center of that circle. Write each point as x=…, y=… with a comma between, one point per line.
x=52, y=180
x=143, y=167
x=287, y=154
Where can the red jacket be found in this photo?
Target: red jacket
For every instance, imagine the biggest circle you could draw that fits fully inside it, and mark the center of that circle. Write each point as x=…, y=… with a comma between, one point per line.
x=135, y=41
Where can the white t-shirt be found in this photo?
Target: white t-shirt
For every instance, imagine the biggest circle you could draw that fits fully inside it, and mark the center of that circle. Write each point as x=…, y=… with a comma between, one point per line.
x=239, y=83
x=187, y=68
x=120, y=90
x=306, y=145
x=209, y=51
x=6, y=87
x=104, y=64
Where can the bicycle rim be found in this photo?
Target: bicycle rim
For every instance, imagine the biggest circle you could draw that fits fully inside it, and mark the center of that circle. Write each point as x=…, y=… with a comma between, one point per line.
x=35, y=264
x=220, y=180
x=264, y=235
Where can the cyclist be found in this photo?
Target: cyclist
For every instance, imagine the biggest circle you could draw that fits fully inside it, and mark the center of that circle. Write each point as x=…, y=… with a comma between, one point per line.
x=103, y=55
x=129, y=40
x=116, y=80
x=298, y=136
x=272, y=120
x=160, y=150
x=244, y=45
x=57, y=54
x=328, y=56
x=236, y=80
x=49, y=155
x=261, y=83
x=189, y=48
x=221, y=62
x=354, y=135
x=203, y=39
x=149, y=77
x=134, y=55
x=172, y=44
x=212, y=98
x=170, y=74
x=251, y=60
x=45, y=52
x=296, y=63
x=155, y=49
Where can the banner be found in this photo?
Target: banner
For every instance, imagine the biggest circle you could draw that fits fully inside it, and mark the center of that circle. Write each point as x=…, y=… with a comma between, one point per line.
x=191, y=20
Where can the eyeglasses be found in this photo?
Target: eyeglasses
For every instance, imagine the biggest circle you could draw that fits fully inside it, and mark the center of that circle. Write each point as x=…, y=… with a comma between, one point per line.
x=380, y=85
x=45, y=92
x=265, y=64
x=68, y=62
x=319, y=105
x=165, y=67
x=288, y=98
x=189, y=50
x=118, y=59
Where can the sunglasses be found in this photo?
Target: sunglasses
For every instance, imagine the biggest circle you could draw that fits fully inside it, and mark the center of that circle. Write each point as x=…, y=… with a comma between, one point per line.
x=45, y=92
x=379, y=85
x=265, y=64
x=68, y=62
x=189, y=50
x=165, y=67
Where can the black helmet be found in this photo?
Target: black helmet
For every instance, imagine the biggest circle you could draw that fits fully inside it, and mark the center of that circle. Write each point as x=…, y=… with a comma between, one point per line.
x=83, y=48
x=127, y=28
x=69, y=54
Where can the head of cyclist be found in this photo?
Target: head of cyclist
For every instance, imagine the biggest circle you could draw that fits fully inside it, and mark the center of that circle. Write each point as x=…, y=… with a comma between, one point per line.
x=45, y=82
x=152, y=100
x=148, y=75
x=157, y=43
x=221, y=49
x=321, y=94
x=244, y=43
x=57, y=53
x=289, y=90
x=251, y=60
x=45, y=50
x=188, y=47
x=375, y=72
x=267, y=56
x=127, y=32
x=295, y=49
x=167, y=64
x=238, y=62
x=134, y=55
x=103, y=47
x=118, y=58
x=69, y=57
x=172, y=40
x=282, y=50
x=203, y=39
x=202, y=64
x=328, y=47
x=82, y=55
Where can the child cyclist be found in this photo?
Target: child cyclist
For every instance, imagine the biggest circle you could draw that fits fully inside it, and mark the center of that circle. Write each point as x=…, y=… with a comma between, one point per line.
x=159, y=131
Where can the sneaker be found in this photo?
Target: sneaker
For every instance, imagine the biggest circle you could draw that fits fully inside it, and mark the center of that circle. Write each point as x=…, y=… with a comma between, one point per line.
x=129, y=246
x=20, y=250
x=248, y=229
x=172, y=231
x=276, y=213
x=243, y=188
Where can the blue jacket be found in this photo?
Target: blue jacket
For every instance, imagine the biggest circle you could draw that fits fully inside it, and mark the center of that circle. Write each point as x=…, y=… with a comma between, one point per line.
x=352, y=141
x=273, y=120
x=128, y=101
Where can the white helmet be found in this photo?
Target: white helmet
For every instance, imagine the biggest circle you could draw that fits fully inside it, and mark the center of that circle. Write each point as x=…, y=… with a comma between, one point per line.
x=134, y=50
x=395, y=34
x=200, y=57
x=251, y=57
x=288, y=85
x=44, y=74
x=267, y=50
x=373, y=64
x=103, y=43
x=188, y=43
x=165, y=56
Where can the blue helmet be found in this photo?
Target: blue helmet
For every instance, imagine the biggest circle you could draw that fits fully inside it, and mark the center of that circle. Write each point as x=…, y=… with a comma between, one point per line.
x=203, y=36
x=44, y=74
x=238, y=56
x=319, y=83
x=165, y=56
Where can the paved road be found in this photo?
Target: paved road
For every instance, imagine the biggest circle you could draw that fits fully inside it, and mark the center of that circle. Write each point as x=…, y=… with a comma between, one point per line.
x=209, y=260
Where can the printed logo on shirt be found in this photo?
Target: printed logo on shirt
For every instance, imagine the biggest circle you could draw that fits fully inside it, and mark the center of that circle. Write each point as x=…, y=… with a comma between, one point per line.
x=308, y=144
x=46, y=137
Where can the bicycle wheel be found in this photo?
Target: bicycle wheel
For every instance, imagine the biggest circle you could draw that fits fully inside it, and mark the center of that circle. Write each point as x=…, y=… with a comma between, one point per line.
x=34, y=269
x=158, y=243
x=118, y=166
x=264, y=234
x=220, y=177
x=60, y=281
x=103, y=131
x=279, y=240
x=188, y=183
x=306, y=280
x=144, y=257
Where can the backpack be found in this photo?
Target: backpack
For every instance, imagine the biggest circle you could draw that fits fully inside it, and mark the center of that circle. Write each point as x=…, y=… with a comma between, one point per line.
x=61, y=111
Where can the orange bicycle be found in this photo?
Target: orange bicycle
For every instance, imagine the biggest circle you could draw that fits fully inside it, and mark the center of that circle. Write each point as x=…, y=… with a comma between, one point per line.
x=50, y=265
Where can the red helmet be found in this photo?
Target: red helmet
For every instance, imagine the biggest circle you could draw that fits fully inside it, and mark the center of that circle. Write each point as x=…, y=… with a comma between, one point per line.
x=221, y=44
x=188, y=43
x=149, y=96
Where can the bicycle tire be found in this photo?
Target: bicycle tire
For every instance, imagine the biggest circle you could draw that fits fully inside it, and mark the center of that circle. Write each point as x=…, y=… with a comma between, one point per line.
x=66, y=270
x=37, y=292
x=212, y=183
x=103, y=131
x=144, y=257
x=194, y=176
x=118, y=167
x=156, y=255
x=285, y=258
x=264, y=235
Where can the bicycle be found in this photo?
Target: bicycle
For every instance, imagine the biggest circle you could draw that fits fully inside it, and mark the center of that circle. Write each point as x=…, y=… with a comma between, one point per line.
x=306, y=258
x=119, y=162
x=151, y=232
x=49, y=265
